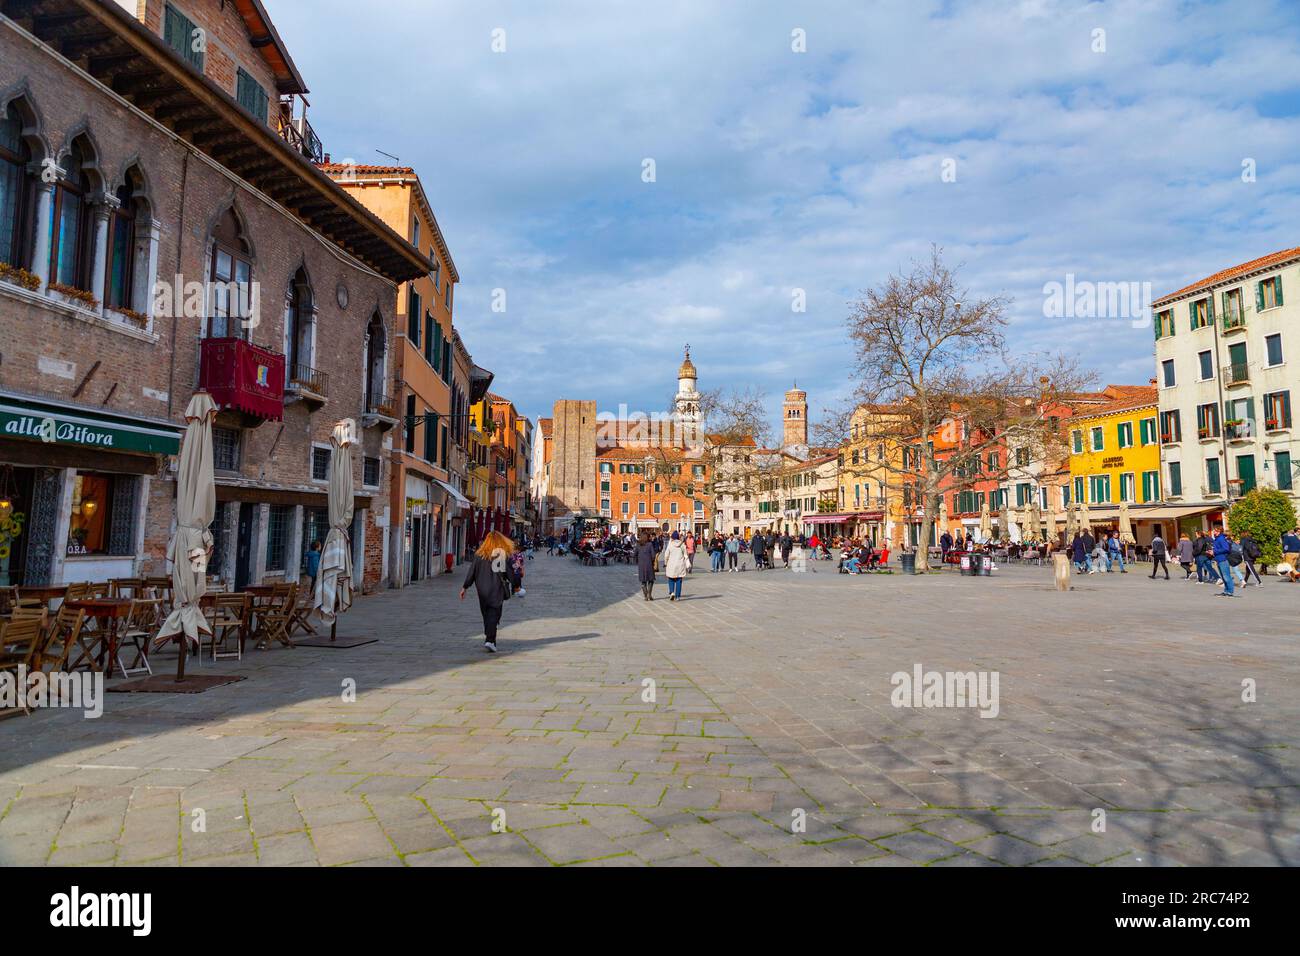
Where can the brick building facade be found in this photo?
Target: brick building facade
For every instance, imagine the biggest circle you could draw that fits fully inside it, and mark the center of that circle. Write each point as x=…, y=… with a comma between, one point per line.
x=274, y=291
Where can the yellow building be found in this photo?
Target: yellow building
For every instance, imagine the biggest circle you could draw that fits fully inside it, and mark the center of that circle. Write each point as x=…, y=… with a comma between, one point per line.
x=1115, y=455
x=873, y=495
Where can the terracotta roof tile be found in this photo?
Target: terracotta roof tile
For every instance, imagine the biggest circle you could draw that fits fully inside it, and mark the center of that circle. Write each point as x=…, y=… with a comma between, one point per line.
x=1226, y=275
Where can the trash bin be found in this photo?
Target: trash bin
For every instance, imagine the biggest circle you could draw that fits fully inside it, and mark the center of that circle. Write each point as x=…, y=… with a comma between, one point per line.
x=907, y=561
x=976, y=564
x=966, y=565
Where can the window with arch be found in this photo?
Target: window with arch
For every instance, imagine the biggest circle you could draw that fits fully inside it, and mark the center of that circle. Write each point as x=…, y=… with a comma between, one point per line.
x=299, y=329
x=231, y=280
x=127, y=275
x=15, y=188
x=376, y=349
x=70, y=233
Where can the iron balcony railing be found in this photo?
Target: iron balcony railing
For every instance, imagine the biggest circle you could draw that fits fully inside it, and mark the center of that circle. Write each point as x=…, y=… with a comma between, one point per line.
x=379, y=402
x=303, y=376
x=1236, y=374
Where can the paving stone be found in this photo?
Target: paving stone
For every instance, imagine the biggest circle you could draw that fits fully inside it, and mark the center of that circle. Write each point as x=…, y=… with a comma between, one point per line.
x=746, y=729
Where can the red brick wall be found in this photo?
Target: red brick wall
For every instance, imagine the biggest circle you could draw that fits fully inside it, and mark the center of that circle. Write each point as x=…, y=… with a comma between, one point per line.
x=154, y=376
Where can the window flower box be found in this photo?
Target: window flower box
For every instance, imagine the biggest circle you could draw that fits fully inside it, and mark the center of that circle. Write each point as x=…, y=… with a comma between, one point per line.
x=16, y=275
x=138, y=319
x=73, y=295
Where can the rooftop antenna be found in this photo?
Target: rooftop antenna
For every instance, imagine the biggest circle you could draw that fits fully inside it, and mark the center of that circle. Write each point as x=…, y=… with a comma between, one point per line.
x=389, y=155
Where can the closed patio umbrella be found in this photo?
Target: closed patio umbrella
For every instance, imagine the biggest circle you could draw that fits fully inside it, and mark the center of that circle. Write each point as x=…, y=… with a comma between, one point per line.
x=1085, y=519
x=1013, y=523
x=943, y=514
x=986, y=520
x=196, y=503
x=1050, y=518
x=1125, y=525
x=1071, y=521
x=334, y=580
x=1033, y=519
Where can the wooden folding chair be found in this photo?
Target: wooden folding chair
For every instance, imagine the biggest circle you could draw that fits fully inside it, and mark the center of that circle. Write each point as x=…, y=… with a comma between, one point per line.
x=302, y=611
x=126, y=587
x=227, y=615
x=68, y=633
x=276, y=616
x=142, y=622
x=77, y=592
x=20, y=641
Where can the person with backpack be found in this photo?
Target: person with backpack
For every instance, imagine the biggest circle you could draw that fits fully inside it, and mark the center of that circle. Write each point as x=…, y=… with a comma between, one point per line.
x=1250, y=552
x=1158, y=551
x=1203, y=549
x=1221, y=549
x=489, y=573
x=676, y=566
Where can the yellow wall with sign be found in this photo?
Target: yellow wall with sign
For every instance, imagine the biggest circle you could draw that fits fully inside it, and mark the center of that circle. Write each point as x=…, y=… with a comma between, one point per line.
x=1142, y=456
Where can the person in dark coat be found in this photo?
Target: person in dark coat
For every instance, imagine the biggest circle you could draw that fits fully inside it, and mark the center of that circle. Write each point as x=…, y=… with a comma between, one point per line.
x=1079, y=553
x=759, y=548
x=786, y=544
x=645, y=565
x=489, y=574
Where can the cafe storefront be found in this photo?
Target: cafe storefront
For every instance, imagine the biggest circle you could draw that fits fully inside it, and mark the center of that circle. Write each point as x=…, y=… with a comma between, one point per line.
x=74, y=489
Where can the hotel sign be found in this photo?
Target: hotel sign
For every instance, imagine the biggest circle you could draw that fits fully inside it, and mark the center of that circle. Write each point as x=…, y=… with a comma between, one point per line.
x=34, y=422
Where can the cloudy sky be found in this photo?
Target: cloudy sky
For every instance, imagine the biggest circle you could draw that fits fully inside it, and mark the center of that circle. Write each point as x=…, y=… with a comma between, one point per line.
x=822, y=170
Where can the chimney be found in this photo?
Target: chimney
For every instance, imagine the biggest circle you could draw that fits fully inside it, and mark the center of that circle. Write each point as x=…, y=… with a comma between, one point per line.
x=1152, y=382
x=326, y=160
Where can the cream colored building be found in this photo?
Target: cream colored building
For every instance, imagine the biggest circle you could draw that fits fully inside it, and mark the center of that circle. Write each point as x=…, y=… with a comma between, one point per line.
x=1227, y=367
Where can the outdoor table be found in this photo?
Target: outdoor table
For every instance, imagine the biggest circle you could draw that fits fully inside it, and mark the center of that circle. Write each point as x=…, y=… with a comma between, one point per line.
x=108, y=611
x=43, y=592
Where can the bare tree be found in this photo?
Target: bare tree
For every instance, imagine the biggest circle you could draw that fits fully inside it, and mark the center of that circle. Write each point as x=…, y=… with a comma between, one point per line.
x=937, y=388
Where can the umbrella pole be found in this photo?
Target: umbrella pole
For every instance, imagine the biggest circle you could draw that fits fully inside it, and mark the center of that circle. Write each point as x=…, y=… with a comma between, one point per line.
x=180, y=658
x=334, y=622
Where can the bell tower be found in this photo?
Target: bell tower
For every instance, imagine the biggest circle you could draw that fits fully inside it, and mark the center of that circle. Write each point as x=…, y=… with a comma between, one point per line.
x=686, y=406
x=795, y=417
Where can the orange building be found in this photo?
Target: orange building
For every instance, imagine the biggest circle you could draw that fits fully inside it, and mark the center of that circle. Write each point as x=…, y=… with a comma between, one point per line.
x=423, y=494
x=656, y=488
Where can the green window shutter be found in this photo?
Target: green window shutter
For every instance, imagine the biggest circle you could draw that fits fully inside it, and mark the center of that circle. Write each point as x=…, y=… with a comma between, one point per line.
x=1278, y=280
x=1259, y=296
x=1282, y=461
x=1209, y=309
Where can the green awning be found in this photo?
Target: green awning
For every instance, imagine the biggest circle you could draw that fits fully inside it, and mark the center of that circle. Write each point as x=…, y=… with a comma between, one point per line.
x=39, y=420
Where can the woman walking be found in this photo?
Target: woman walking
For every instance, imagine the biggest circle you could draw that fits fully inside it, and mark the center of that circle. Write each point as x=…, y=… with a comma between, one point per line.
x=676, y=564
x=645, y=565
x=1185, y=555
x=489, y=573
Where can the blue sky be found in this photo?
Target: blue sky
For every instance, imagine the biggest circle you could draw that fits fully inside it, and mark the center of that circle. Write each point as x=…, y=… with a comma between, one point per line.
x=820, y=170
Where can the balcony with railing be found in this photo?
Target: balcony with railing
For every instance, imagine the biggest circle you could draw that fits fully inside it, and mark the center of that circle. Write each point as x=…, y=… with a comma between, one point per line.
x=1238, y=374
x=306, y=384
x=244, y=377
x=1239, y=429
x=1234, y=321
x=380, y=410
x=291, y=123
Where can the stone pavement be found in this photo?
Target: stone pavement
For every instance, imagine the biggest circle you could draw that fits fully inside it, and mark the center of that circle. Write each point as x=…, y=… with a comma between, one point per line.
x=771, y=708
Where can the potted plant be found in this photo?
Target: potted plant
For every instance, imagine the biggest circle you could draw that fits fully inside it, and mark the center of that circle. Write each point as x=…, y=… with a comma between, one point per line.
x=138, y=319
x=19, y=276
x=73, y=295
x=1270, y=423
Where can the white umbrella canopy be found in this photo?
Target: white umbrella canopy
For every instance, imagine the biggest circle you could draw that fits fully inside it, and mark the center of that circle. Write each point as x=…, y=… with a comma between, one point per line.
x=1085, y=519
x=196, y=503
x=943, y=513
x=1050, y=517
x=334, y=580
x=633, y=525
x=1013, y=524
x=986, y=520
x=1125, y=525
x=1071, y=521
x=1034, y=520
